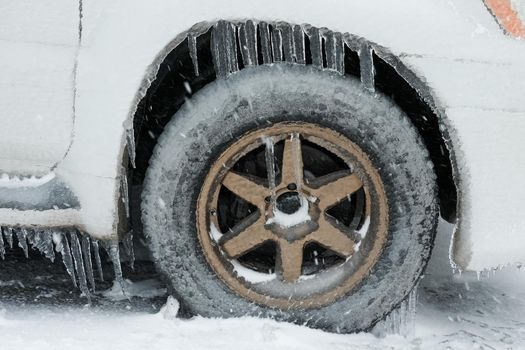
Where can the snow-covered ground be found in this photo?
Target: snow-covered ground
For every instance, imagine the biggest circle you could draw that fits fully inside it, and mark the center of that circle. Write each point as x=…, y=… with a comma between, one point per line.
x=453, y=312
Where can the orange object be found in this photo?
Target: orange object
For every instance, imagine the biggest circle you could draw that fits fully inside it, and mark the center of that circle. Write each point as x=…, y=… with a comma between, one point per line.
x=507, y=17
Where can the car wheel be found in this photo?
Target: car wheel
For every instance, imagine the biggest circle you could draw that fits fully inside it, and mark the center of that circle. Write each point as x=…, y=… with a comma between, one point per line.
x=288, y=192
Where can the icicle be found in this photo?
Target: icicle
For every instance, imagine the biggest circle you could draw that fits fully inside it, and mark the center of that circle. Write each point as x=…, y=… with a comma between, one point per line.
x=316, y=46
x=62, y=247
x=127, y=243
x=2, y=248
x=401, y=320
x=287, y=42
x=86, y=251
x=124, y=190
x=47, y=245
x=270, y=165
x=298, y=44
x=366, y=60
x=277, y=44
x=334, y=51
x=98, y=261
x=43, y=242
x=130, y=136
x=8, y=235
x=411, y=312
x=21, y=235
x=192, y=45
x=266, y=44
x=224, y=48
x=114, y=254
x=248, y=43
x=76, y=251
x=297, y=167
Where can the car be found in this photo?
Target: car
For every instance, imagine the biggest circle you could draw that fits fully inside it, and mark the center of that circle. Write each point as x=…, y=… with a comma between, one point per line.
x=282, y=159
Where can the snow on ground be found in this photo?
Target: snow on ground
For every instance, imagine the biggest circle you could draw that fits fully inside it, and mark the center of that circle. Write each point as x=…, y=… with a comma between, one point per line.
x=453, y=312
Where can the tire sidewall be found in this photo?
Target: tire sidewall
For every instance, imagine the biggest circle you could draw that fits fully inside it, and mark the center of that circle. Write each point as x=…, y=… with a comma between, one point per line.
x=222, y=112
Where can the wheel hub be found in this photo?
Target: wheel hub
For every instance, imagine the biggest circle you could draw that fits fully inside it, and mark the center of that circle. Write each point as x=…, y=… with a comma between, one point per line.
x=341, y=212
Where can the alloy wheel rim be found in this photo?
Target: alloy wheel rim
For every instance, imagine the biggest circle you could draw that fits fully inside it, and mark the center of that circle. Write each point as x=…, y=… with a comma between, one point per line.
x=292, y=209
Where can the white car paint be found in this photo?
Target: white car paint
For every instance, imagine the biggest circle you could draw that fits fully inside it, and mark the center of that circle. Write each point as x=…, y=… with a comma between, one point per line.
x=476, y=74
x=519, y=7
x=38, y=42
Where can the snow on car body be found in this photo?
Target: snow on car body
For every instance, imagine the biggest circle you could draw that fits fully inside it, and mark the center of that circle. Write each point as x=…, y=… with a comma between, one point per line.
x=74, y=75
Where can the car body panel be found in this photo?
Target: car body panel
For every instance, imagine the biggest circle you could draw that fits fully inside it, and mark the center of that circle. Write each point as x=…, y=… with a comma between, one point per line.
x=474, y=71
x=38, y=44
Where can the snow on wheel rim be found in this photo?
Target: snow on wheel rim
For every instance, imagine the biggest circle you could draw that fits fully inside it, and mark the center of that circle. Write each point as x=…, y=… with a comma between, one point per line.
x=292, y=216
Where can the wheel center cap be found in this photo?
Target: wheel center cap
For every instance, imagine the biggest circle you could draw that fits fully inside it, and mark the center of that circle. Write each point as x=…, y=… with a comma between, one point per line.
x=292, y=216
x=289, y=202
x=290, y=209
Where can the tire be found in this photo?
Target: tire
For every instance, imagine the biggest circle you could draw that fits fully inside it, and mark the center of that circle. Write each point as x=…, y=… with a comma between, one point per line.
x=218, y=115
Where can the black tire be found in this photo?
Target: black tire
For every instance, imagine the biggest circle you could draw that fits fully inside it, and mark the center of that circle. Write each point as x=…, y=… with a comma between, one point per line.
x=255, y=97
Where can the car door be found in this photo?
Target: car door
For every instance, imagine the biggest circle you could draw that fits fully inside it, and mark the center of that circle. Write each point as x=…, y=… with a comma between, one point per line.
x=38, y=45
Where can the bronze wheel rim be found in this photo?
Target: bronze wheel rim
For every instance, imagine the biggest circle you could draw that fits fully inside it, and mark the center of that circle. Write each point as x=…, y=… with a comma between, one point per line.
x=325, y=228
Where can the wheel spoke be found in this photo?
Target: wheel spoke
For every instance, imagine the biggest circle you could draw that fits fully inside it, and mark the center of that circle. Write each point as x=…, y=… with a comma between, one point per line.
x=333, y=238
x=336, y=187
x=245, y=237
x=246, y=188
x=292, y=169
x=290, y=259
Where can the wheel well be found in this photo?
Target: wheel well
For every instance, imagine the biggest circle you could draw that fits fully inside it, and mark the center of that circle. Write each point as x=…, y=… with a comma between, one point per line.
x=225, y=47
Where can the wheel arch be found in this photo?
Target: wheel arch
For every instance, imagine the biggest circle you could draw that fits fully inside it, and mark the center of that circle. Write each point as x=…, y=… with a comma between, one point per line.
x=189, y=62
